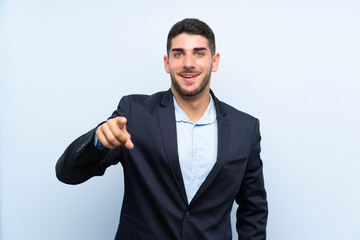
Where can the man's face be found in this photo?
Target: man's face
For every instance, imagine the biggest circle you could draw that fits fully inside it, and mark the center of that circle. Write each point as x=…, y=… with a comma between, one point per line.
x=190, y=64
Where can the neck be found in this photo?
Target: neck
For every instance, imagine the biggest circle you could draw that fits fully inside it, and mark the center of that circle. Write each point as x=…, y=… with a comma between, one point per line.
x=194, y=107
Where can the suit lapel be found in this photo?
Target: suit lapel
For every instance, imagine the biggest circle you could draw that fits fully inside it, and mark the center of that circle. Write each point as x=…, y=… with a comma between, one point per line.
x=223, y=143
x=168, y=130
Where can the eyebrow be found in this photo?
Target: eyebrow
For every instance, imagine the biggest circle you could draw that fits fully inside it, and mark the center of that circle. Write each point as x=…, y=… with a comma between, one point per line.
x=182, y=50
x=200, y=49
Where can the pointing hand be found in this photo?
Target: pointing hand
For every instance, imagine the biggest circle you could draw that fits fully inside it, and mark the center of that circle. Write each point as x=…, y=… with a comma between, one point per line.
x=113, y=133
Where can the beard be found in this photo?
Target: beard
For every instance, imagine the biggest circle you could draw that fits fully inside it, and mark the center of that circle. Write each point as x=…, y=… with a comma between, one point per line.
x=203, y=84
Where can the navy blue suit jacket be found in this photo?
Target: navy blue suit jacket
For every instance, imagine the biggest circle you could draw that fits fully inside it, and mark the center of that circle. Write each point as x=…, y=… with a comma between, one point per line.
x=155, y=205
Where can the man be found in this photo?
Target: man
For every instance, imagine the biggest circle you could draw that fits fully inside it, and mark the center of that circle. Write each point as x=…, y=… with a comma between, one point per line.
x=186, y=156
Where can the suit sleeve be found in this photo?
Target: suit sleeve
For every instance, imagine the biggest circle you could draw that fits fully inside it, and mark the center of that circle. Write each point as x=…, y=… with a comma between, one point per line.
x=82, y=160
x=252, y=211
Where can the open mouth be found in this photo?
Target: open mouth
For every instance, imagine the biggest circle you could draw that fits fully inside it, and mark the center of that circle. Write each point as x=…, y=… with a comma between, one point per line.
x=189, y=75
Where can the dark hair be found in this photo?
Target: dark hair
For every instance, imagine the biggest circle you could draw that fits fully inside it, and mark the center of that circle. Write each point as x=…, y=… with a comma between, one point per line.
x=192, y=26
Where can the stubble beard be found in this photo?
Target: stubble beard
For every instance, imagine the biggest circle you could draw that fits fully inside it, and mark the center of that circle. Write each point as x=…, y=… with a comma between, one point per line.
x=185, y=93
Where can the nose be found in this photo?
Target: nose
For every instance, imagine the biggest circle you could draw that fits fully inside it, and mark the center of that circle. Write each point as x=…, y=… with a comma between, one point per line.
x=189, y=61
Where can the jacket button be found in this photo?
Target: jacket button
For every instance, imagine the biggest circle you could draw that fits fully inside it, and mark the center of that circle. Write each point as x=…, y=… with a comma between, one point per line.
x=187, y=214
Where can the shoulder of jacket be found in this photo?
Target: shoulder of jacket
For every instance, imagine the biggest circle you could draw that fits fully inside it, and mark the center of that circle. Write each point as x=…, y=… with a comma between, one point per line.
x=233, y=112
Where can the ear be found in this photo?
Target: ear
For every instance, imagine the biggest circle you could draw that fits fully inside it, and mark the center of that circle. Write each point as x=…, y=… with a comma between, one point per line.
x=215, y=62
x=166, y=64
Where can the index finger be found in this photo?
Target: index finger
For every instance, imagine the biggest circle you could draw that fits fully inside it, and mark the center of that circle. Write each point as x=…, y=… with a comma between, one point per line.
x=121, y=122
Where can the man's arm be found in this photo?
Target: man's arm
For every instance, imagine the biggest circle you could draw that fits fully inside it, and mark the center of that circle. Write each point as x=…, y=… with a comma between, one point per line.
x=253, y=210
x=83, y=160
x=80, y=160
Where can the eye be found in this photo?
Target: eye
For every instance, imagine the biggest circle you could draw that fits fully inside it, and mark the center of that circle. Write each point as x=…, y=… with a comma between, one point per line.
x=178, y=54
x=199, y=54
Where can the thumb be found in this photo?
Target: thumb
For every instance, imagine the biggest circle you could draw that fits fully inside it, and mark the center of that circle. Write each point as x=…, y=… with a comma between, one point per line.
x=129, y=144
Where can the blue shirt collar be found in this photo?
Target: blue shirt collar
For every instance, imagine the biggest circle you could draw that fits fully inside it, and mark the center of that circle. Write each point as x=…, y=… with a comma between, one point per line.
x=208, y=117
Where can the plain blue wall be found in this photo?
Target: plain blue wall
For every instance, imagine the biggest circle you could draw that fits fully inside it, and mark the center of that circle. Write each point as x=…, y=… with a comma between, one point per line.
x=293, y=64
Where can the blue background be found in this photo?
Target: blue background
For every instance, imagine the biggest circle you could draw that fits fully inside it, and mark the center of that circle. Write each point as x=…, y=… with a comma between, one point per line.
x=293, y=64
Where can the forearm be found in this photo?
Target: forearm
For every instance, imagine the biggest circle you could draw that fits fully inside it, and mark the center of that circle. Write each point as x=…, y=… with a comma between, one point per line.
x=81, y=160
